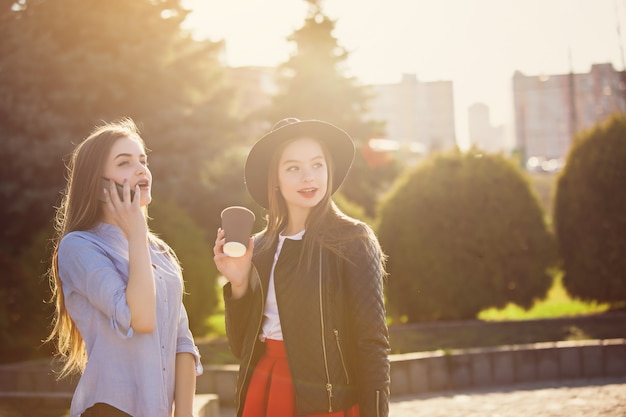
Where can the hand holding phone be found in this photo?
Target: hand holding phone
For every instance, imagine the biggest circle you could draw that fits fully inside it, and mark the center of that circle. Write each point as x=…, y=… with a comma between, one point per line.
x=120, y=190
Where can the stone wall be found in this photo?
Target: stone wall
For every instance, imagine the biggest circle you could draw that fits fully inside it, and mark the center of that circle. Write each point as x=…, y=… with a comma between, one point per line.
x=411, y=373
x=422, y=372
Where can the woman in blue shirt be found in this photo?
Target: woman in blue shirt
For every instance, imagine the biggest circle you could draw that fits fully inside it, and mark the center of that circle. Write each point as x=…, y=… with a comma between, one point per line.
x=120, y=321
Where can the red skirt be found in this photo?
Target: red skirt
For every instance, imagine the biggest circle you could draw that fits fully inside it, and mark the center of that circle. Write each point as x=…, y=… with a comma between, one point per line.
x=271, y=394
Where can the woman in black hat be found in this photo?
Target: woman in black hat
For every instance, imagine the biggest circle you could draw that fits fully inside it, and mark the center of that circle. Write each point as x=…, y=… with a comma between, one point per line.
x=304, y=308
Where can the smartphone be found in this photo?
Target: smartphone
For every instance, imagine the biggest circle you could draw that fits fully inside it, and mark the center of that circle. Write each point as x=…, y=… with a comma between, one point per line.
x=120, y=190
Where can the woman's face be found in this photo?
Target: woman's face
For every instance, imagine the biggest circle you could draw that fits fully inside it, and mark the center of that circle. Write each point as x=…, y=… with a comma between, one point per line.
x=302, y=174
x=127, y=161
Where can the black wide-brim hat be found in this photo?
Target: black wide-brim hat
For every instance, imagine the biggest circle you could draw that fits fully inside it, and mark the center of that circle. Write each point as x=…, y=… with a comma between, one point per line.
x=337, y=141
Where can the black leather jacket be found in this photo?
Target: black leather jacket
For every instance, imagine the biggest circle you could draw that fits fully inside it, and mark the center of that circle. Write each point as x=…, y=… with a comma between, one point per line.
x=333, y=323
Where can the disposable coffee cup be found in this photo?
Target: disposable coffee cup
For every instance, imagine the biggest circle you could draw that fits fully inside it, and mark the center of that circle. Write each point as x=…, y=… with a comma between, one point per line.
x=237, y=224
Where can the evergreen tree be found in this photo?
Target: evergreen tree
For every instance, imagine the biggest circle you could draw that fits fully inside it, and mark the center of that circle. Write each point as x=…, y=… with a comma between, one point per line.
x=313, y=85
x=70, y=64
x=67, y=65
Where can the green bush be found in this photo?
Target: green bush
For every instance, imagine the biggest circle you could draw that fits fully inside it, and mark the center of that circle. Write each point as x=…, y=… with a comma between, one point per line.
x=25, y=314
x=590, y=214
x=463, y=232
x=195, y=253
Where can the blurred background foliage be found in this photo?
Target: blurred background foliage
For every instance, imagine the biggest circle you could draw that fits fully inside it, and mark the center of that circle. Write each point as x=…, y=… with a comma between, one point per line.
x=590, y=214
x=464, y=231
x=477, y=238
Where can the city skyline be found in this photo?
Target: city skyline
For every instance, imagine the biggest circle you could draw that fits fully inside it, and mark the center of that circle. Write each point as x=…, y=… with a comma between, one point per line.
x=476, y=44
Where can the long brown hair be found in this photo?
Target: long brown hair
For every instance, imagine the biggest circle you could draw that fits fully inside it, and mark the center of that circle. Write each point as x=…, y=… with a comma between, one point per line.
x=80, y=209
x=324, y=224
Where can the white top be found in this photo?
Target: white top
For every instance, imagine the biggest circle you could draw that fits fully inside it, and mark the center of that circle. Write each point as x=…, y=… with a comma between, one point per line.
x=271, y=319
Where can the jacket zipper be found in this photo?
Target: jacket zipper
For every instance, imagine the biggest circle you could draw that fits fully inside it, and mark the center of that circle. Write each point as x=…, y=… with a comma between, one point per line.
x=329, y=386
x=240, y=390
x=377, y=403
x=343, y=363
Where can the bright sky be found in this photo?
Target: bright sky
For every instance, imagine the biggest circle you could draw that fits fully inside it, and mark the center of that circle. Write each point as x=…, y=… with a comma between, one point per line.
x=476, y=44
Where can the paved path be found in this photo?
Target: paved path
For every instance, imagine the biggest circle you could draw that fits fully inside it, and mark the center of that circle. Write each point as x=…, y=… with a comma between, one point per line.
x=577, y=398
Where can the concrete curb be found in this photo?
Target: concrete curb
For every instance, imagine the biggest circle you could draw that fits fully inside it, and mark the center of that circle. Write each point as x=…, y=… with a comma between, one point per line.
x=411, y=373
x=424, y=372
x=418, y=373
x=206, y=405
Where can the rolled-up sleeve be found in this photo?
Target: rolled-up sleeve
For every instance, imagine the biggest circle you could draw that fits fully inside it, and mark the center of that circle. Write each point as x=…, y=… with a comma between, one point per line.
x=185, y=342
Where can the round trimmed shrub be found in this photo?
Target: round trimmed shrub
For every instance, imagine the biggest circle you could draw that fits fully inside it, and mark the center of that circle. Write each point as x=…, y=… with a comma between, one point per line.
x=464, y=232
x=590, y=214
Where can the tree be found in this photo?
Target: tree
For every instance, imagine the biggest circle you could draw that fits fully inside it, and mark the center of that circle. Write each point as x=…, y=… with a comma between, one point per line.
x=25, y=314
x=69, y=64
x=464, y=232
x=313, y=85
x=190, y=244
x=19, y=335
x=589, y=218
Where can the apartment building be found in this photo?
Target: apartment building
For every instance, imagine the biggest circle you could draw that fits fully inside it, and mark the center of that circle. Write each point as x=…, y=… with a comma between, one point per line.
x=482, y=133
x=551, y=109
x=419, y=115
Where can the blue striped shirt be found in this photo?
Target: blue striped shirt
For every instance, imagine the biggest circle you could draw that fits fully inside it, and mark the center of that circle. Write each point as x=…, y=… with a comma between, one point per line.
x=133, y=372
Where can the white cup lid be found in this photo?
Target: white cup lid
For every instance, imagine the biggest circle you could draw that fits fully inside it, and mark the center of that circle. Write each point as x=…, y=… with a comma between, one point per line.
x=234, y=249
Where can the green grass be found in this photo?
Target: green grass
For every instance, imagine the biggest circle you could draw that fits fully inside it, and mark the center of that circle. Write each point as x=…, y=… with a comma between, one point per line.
x=557, y=304
x=557, y=317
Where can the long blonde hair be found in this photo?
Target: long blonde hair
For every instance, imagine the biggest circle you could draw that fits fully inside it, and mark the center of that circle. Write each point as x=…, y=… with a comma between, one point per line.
x=80, y=209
